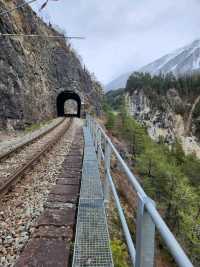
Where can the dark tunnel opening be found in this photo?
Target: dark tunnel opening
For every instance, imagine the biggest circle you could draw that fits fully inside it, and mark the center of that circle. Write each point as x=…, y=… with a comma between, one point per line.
x=62, y=99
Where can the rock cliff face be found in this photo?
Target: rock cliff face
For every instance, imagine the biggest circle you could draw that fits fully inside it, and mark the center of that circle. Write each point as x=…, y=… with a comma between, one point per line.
x=159, y=122
x=34, y=70
x=168, y=117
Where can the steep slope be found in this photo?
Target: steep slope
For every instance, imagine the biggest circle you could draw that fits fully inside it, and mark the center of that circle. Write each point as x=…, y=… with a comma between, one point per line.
x=34, y=70
x=115, y=98
x=168, y=107
x=181, y=61
x=120, y=82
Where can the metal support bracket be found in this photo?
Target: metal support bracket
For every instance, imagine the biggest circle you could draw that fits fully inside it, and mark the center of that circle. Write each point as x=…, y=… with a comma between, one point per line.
x=99, y=146
x=107, y=169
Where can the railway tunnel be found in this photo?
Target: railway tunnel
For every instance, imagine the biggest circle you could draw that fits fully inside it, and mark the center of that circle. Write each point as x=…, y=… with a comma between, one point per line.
x=64, y=100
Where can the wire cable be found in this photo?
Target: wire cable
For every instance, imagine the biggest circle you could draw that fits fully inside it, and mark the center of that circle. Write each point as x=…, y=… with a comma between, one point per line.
x=33, y=35
x=41, y=36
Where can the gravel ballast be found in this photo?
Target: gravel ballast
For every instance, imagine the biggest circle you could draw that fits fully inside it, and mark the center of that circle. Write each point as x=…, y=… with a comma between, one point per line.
x=21, y=207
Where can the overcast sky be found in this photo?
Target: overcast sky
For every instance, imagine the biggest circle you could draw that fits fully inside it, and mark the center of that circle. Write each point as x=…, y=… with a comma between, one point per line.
x=123, y=35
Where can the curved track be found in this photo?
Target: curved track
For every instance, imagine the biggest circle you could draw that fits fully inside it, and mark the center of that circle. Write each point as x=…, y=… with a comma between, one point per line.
x=17, y=161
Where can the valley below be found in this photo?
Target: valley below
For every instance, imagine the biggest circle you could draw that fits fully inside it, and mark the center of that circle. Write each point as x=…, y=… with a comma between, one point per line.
x=156, y=122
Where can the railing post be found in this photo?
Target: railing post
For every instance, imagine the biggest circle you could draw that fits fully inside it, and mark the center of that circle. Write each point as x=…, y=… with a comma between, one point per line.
x=93, y=125
x=145, y=235
x=96, y=137
x=90, y=124
x=87, y=121
x=99, y=147
x=107, y=169
x=95, y=134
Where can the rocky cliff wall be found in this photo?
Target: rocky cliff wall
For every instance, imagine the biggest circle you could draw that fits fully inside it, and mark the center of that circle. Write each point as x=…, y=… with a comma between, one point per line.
x=34, y=70
x=159, y=122
x=168, y=117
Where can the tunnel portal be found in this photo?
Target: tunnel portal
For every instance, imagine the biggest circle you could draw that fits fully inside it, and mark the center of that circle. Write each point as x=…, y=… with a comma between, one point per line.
x=62, y=102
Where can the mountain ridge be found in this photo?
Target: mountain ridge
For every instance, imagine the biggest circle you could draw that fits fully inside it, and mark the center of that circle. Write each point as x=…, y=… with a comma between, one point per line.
x=118, y=82
x=184, y=60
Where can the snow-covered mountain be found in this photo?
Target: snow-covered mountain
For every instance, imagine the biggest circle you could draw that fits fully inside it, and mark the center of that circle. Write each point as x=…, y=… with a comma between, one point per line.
x=181, y=61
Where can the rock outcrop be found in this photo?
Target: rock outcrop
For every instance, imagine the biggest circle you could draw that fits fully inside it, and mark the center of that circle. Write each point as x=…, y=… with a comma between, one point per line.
x=160, y=121
x=166, y=117
x=34, y=70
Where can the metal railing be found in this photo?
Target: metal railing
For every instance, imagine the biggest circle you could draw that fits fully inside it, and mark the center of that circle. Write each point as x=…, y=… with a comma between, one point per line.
x=148, y=218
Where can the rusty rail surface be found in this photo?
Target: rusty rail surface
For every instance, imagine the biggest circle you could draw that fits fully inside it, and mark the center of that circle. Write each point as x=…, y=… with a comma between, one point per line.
x=14, y=177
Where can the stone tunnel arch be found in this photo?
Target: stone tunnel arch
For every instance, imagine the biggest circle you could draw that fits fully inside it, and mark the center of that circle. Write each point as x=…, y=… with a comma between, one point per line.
x=62, y=98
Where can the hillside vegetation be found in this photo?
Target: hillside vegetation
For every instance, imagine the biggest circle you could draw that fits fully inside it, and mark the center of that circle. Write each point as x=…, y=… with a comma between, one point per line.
x=187, y=86
x=168, y=176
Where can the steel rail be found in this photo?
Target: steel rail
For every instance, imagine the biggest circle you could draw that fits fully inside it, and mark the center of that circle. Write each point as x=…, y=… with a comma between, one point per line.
x=14, y=177
x=23, y=144
x=172, y=244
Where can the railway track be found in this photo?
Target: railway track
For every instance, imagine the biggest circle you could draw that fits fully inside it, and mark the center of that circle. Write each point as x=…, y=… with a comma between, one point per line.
x=52, y=234
x=13, y=147
x=16, y=161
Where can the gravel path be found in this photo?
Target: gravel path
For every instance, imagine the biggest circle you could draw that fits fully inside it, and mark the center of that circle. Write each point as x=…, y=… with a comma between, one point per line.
x=20, y=208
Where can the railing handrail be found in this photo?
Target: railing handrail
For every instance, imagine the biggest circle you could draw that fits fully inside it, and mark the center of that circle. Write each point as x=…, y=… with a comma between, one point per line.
x=174, y=247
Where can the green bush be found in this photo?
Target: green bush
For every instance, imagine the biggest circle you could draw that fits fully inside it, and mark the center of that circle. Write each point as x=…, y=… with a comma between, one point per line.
x=110, y=123
x=119, y=253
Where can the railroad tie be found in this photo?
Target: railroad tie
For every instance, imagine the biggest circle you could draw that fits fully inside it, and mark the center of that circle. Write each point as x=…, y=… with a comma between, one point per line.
x=52, y=238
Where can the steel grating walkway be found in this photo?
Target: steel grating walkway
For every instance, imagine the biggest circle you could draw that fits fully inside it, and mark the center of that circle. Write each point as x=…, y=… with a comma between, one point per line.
x=92, y=246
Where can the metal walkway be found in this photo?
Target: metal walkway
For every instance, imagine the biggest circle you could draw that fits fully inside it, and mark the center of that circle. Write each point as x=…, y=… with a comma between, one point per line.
x=92, y=246
x=142, y=253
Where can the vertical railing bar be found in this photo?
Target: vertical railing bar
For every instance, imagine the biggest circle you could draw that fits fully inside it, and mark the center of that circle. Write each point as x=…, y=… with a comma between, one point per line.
x=127, y=234
x=170, y=241
x=107, y=160
x=99, y=147
x=102, y=154
x=93, y=125
x=96, y=137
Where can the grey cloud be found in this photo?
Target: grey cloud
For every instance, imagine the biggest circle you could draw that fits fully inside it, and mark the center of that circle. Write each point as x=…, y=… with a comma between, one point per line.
x=123, y=35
